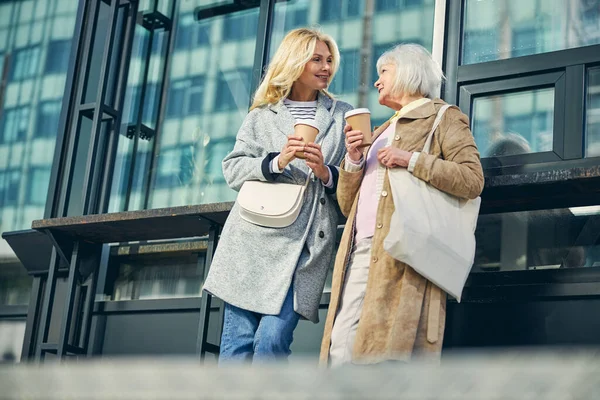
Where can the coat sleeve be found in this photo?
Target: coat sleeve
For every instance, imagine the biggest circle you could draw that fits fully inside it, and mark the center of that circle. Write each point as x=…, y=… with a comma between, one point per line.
x=347, y=188
x=459, y=173
x=249, y=159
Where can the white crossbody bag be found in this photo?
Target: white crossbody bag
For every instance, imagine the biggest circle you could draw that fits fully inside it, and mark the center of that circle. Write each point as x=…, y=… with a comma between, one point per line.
x=272, y=204
x=430, y=230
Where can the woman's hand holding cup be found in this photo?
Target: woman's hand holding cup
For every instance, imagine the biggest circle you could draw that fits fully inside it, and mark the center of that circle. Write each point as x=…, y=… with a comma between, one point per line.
x=354, y=139
x=293, y=145
x=314, y=160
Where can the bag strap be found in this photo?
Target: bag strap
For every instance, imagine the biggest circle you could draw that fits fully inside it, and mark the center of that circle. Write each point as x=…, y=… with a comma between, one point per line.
x=440, y=114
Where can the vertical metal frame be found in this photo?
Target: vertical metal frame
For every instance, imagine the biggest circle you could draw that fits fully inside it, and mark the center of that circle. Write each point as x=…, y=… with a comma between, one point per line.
x=439, y=25
x=93, y=179
x=451, y=57
x=92, y=9
x=130, y=10
x=202, y=345
x=33, y=316
x=59, y=162
x=90, y=181
x=574, y=109
x=139, y=126
x=47, y=305
x=263, y=43
x=162, y=109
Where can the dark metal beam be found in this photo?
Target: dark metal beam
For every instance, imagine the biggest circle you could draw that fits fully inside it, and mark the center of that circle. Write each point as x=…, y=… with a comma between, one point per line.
x=263, y=41
x=66, y=115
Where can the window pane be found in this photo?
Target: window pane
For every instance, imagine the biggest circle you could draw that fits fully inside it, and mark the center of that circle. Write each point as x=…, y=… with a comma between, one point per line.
x=209, y=89
x=331, y=10
x=12, y=334
x=515, y=123
x=495, y=30
x=544, y=239
x=345, y=20
x=57, y=58
x=159, y=276
x=385, y=5
x=25, y=62
x=15, y=284
x=593, y=113
x=48, y=115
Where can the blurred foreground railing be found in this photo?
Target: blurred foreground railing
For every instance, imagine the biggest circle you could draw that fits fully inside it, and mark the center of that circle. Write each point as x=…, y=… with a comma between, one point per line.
x=561, y=375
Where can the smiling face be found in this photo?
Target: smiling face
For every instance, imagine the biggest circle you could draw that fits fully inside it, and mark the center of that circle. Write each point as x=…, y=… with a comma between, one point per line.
x=384, y=86
x=317, y=70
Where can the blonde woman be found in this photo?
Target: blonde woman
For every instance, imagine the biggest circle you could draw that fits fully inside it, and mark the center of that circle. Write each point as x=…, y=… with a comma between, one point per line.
x=269, y=278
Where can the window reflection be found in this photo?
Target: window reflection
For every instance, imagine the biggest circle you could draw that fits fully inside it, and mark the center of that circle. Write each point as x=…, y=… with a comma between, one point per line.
x=159, y=276
x=208, y=96
x=495, y=30
x=12, y=334
x=15, y=284
x=515, y=123
x=545, y=239
x=593, y=113
x=344, y=20
x=34, y=57
x=209, y=83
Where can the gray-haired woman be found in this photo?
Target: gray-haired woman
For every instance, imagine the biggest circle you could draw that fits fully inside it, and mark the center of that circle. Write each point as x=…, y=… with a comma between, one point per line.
x=382, y=309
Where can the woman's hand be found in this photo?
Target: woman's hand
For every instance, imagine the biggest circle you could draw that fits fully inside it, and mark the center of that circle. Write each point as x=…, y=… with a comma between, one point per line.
x=314, y=160
x=293, y=144
x=392, y=157
x=353, y=140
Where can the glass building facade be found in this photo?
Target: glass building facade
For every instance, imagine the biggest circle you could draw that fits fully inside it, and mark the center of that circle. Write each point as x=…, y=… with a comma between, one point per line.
x=35, y=43
x=188, y=79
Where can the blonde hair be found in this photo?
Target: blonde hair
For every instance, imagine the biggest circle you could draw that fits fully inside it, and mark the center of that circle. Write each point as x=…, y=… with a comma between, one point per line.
x=416, y=71
x=296, y=49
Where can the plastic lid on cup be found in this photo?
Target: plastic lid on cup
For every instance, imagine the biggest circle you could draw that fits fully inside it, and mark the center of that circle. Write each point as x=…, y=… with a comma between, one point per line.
x=308, y=122
x=357, y=111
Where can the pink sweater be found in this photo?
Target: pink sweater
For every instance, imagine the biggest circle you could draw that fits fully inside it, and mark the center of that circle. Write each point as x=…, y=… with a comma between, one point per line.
x=368, y=200
x=372, y=184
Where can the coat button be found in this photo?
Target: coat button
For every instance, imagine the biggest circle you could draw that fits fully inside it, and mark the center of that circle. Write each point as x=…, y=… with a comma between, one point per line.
x=375, y=259
x=379, y=225
x=397, y=137
x=384, y=193
x=321, y=234
x=322, y=200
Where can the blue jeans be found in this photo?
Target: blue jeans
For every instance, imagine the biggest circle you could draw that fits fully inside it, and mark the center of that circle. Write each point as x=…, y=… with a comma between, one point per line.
x=249, y=336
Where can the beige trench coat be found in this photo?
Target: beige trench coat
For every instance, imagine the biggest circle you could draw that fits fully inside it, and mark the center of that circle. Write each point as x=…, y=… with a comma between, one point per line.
x=404, y=314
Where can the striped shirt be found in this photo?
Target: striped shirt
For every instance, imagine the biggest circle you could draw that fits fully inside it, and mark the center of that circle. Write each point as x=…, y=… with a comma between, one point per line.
x=301, y=110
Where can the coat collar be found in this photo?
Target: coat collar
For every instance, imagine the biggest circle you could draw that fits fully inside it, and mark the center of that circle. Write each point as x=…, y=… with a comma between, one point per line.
x=285, y=120
x=424, y=111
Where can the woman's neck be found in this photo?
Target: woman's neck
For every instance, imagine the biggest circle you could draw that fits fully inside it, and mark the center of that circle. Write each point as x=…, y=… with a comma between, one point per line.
x=302, y=94
x=407, y=99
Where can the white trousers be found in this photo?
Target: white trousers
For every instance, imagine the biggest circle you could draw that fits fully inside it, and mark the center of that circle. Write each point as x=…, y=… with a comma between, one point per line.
x=344, y=328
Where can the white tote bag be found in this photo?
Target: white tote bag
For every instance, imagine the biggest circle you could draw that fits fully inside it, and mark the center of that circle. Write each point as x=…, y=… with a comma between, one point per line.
x=430, y=230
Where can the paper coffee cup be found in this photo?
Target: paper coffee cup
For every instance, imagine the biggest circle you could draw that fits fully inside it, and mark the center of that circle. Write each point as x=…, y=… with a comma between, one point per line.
x=360, y=119
x=308, y=130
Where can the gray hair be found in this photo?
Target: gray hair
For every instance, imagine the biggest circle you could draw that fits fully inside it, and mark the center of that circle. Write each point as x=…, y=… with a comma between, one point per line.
x=416, y=71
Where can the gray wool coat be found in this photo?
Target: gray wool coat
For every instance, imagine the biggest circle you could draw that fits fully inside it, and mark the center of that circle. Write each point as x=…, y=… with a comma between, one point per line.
x=253, y=266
